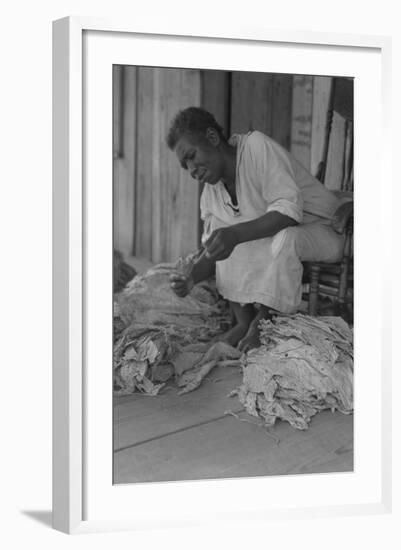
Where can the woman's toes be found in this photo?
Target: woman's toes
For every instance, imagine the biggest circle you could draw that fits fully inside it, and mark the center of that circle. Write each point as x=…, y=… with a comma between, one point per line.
x=251, y=340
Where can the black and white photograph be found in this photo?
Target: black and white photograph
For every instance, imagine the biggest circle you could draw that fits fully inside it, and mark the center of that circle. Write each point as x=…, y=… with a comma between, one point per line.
x=200, y=294
x=232, y=274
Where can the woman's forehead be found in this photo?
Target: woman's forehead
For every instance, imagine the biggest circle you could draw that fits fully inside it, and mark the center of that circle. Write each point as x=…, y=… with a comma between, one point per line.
x=189, y=140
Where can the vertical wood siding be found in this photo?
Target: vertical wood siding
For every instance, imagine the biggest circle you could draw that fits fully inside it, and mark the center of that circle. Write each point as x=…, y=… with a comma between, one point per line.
x=251, y=100
x=301, y=130
x=321, y=99
x=124, y=153
x=166, y=198
x=144, y=211
x=336, y=155
x=282, y=109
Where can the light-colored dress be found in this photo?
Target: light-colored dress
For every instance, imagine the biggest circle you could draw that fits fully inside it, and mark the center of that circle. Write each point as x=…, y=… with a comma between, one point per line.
x=269, y=271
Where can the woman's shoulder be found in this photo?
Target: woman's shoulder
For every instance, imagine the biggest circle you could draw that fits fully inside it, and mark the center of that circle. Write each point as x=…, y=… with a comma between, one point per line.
x=257, y=138
x=258, y=148
x=257, y=143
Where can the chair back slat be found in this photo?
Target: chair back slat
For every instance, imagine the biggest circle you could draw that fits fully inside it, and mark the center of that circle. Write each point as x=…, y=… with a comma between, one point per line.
x=342, y=103
x=343, y=97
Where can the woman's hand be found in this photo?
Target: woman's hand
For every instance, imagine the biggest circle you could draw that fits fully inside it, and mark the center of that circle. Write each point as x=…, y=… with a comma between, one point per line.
x=221, y=243
x=181, y=285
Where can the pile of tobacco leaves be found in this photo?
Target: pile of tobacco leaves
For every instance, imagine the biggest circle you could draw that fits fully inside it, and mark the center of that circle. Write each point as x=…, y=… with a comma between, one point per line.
x=158, y=336
x=304, y=365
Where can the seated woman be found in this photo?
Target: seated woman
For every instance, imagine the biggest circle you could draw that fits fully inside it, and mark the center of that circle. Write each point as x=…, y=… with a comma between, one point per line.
x=263, y=213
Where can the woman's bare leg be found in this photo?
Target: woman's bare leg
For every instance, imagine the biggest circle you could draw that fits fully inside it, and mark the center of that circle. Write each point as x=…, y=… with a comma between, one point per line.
x=244, y=314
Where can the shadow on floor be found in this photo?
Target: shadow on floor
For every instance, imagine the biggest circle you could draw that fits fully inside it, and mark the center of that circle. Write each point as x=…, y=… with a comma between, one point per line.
x=41, y=516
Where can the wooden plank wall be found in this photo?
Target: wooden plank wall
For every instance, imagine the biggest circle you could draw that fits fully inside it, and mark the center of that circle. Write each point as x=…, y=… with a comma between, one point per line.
x=251, y=99
x=301, y=129
x=166, y=198
x=320, y=107
x=144, y=211
x=216, y=96
x=124, y=152
x=262, y=101
x=282, y=109
x=335, y=160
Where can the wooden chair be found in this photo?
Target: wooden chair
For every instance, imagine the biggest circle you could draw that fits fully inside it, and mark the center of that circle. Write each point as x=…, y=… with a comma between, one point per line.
x=334, y=281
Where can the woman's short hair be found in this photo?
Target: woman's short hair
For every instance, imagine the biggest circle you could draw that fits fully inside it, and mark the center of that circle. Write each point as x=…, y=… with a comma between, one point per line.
x=193, y=120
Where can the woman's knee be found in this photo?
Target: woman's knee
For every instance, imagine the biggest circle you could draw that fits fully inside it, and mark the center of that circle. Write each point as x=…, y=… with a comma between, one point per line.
x=319, y=243
x=286, y=239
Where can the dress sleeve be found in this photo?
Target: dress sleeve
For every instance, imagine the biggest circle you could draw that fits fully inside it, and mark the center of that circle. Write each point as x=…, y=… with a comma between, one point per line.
x=274, y=173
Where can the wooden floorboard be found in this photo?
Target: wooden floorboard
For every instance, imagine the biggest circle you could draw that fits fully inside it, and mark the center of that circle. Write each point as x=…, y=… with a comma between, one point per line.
x=228, y=448
x=140, y=418
x=208, y=446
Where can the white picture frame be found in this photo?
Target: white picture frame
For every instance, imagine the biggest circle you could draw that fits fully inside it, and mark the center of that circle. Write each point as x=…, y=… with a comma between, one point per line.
x=74, y=210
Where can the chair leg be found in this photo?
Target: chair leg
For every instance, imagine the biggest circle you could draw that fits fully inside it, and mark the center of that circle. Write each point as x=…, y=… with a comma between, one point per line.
x=313, y=289
x=343, y=283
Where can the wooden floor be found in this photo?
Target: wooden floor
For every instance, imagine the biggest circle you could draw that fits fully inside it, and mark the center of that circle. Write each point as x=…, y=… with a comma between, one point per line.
x=171, y=437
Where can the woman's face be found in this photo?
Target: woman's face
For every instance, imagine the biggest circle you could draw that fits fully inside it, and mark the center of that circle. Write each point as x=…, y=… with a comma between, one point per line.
x=201, y=156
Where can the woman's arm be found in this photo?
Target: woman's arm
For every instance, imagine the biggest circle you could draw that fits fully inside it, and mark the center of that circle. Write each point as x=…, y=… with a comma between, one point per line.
x=223, y=241
x=202, y=269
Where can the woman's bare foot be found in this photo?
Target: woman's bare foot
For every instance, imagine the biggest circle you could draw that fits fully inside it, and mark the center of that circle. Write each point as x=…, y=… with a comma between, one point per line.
x=243, y=315
x=251, y=339
x=234, y=335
